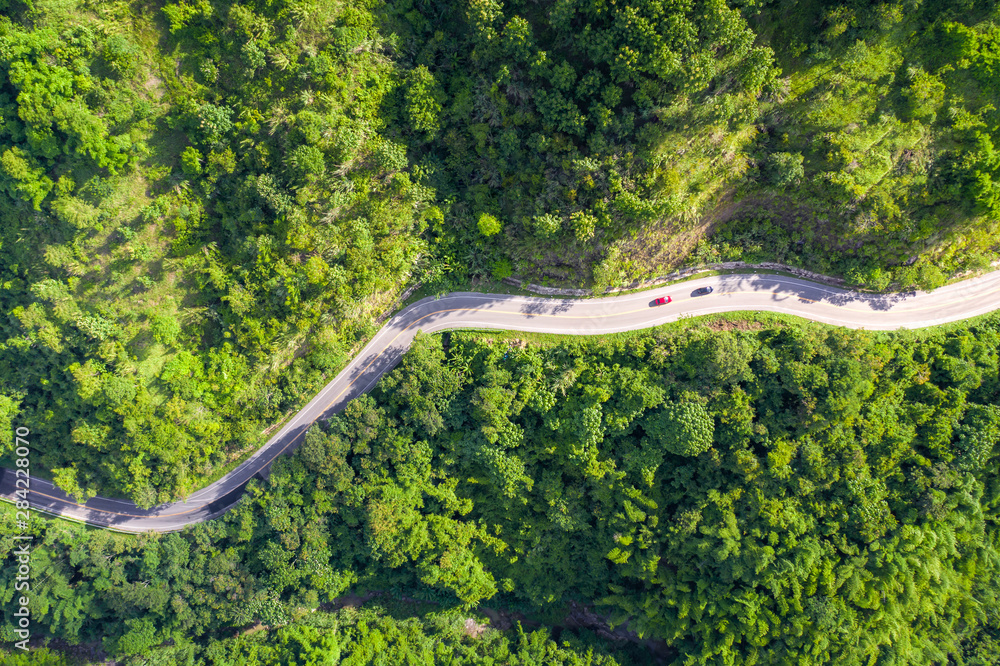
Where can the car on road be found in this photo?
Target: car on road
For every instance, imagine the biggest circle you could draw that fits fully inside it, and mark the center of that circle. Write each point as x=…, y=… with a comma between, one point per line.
x=663, y=300
x=702, y=291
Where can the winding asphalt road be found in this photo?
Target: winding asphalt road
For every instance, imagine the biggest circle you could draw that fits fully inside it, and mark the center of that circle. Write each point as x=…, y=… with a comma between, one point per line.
x=770, y=293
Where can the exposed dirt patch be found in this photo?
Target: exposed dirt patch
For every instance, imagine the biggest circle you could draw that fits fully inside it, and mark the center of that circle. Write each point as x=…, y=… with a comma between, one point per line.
x=254, y=629
x=663, y=246
x=153, y=85
x=473, y=629
x=507, y=620
x=727, y=325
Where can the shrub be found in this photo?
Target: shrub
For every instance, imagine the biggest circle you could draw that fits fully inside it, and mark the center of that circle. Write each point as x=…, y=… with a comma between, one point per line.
x=684, y=428
x=785, y=168
x=489, y=225
x=122, y=56
x=191, y=162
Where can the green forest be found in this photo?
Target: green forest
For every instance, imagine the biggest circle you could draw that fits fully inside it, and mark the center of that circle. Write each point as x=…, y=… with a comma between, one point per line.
x=372, y=635
x=207, y=207
x=738, y=491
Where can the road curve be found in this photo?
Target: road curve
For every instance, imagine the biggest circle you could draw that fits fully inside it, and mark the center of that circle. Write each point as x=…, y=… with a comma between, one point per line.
x=771, y=293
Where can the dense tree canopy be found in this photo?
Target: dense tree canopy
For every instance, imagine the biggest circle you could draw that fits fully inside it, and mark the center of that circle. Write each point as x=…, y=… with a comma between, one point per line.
x=880, y=163
x=205, y=207
x=776, y=494
x=188, y=237
x=549, y=114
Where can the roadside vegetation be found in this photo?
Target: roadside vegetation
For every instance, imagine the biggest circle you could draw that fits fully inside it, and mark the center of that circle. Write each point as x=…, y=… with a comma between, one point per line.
x=206, y=206
x=878, y=161
x=195, y=198
x=745, y=491
x=391, y=633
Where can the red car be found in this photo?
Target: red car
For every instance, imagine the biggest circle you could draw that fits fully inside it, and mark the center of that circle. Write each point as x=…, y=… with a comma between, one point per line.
x=661, y=301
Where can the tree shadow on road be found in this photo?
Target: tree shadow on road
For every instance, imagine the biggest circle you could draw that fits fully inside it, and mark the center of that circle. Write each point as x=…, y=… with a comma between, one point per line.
x=546, y=306
x=827, y=294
